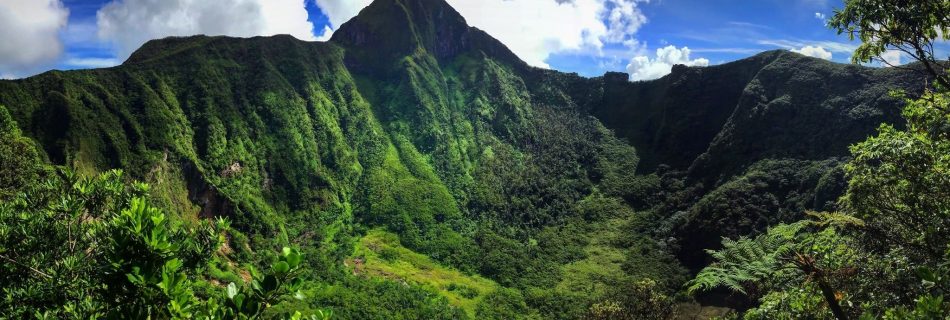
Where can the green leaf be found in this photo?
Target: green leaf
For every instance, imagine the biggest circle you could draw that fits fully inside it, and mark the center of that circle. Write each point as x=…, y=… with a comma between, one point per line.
x=281, y=267
x=294, y=259
x=232, y=290
x=239, y=300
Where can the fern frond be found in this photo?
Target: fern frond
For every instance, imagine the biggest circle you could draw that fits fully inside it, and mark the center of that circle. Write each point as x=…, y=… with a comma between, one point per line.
x=745, y=261
x=834, y=219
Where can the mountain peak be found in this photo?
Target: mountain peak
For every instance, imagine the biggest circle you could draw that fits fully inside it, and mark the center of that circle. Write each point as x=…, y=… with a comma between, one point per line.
x=400, y=27
x=403, y=25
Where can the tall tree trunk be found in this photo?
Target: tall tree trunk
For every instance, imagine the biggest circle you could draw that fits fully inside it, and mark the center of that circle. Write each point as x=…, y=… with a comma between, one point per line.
x=829, y=295
x=807, y=264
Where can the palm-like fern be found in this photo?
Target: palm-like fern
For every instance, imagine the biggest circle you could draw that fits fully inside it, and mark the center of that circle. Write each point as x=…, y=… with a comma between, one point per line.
x=746, y=261
x=784, y=252
x=743, y=262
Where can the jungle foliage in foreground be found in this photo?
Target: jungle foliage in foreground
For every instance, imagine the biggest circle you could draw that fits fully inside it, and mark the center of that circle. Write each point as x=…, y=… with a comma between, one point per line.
x=414, y=168
x=884, y=253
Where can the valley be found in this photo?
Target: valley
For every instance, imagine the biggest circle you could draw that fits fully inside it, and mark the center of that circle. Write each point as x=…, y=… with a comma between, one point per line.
x=420, y=170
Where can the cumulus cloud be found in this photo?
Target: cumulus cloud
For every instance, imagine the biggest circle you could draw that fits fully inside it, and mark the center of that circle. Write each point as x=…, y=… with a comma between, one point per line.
x=30, y=34
x=534, y=29
x=326, y=34
x=891, y=58
x=801, y=46
x=339, y=11
x=820, y=16
x=625, y=19
x=813, y=51
x=130, y=23
x=647, y=68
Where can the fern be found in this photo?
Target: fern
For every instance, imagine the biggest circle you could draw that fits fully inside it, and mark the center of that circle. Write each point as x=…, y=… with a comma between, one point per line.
x=834, y=219
x=745, y=261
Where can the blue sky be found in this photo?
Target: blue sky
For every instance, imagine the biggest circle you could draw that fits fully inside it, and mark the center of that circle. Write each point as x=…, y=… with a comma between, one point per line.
x=723, y=31
x=568, y=35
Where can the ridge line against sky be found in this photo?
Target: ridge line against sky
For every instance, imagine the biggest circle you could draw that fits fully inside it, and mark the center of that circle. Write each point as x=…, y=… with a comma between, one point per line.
x=641, y=37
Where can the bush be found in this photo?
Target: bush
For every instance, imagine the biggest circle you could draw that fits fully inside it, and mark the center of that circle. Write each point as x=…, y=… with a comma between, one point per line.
x=75, y=247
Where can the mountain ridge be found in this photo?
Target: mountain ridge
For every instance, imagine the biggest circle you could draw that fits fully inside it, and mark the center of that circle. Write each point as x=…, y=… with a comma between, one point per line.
x=439, y=134
x=645, y=136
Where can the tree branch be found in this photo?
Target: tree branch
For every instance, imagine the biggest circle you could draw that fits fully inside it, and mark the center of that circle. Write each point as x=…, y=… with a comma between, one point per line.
x=26, y=266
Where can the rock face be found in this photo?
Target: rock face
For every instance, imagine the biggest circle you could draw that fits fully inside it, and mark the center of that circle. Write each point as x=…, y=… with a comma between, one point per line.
x=673, y=119
x=399, y=27
x=412, y=120
x=734, y=111
x=388, y=30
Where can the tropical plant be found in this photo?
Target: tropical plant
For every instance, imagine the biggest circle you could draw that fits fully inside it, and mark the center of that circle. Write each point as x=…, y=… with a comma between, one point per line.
x=907, y=27
x=807, y=251
x=640, y=300
x=78, y=247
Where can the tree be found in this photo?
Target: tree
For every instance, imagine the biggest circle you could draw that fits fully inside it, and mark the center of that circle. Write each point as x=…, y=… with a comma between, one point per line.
x=93, y=247
x=642, y=299
x=807, y=251
x=908, y=26
x=19, y=159
x=899, y=181
x=898, y=186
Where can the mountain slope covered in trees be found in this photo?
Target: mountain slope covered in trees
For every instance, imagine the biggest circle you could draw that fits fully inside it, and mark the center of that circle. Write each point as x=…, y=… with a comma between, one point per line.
x=524, y=185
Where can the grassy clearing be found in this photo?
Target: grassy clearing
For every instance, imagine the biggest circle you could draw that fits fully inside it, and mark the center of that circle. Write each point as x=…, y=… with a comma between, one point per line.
x=379, y=254
x=602, y=266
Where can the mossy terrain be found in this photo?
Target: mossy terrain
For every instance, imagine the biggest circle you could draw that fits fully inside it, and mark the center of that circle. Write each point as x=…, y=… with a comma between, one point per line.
x=470, y=184
x=379, y=254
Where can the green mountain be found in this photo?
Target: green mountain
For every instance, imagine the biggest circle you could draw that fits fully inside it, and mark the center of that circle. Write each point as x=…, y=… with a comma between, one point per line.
x=523, y=182
x=749, y=143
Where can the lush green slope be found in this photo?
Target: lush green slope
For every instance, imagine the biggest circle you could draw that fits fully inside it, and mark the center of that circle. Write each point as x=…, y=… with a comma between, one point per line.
x=294, y=140
x=380, y=255
x=747, y=144
x=411, y=121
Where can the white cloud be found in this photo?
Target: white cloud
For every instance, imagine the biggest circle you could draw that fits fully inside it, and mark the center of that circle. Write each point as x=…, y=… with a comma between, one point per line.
x=891, y=58
x=800, y=46
x=820, y=16
x=813, y=51
x=339, y=11
x=130, y=23
x=837, y=46
x=30, y=34
x=646, y=68
x=625, y=19
x=85, y=63
x=535, y=29
x=327, y=33
x=832, y=46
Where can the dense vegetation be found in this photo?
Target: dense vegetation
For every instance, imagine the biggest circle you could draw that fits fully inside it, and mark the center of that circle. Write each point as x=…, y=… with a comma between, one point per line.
x=883, y=253
x=414, y=168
